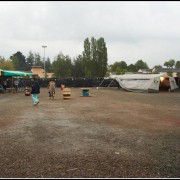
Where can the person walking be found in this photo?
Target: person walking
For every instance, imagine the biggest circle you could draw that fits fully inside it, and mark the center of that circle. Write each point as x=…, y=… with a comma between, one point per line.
x=51, y=89
x=35, y=91
x=16, y=83
x=5, y=85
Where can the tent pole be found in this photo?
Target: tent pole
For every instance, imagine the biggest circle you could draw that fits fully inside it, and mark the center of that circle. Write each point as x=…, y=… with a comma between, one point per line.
x=110, y=83
x=101, y=83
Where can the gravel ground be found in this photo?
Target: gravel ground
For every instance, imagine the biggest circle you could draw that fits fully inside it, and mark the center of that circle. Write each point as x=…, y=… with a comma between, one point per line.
x=112, y=134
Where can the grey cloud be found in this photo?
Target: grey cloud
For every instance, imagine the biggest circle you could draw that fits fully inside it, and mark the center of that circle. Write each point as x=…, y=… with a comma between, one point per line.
x=125, y=26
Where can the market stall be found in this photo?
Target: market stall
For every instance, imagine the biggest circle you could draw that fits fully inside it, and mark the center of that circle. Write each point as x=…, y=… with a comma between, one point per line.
x=10, y=75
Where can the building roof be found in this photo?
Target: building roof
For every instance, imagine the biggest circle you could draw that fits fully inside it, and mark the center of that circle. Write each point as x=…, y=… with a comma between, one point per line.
x=36, y=66
x=169, y=69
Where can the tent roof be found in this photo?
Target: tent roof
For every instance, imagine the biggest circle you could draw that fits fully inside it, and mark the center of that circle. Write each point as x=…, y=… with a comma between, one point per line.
x=14, y=73
x=139, y=76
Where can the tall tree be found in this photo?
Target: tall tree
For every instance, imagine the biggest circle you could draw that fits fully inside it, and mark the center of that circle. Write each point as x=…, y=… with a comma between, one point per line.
x=37, y=60
x=101, y=57
x=62, y=66
x=95, y=57
x=87, y=57
x=30, y=60
x=48, y=65
x=19, y=61
x=78, y=67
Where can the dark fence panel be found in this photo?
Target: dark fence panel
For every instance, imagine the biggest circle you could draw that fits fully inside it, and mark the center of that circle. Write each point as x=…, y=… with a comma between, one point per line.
x=72, y=82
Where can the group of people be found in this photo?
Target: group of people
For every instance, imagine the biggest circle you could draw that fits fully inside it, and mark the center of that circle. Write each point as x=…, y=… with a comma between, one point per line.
x=35, y=90
x=5, y=84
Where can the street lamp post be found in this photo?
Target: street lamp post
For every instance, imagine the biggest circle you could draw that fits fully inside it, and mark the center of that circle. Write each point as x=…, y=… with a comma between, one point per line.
x=44, y=61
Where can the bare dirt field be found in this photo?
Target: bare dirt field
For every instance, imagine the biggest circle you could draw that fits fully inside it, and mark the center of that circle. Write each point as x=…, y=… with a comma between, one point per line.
x=113, y=134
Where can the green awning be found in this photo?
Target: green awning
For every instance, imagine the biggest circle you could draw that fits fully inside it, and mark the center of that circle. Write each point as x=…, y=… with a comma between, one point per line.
x=14, y=73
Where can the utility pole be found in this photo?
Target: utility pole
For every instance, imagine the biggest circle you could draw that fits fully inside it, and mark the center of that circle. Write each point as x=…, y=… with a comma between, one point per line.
x=44, y=62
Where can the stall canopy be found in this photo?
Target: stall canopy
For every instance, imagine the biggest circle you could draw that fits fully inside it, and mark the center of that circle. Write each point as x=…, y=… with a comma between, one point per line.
x=14, y=73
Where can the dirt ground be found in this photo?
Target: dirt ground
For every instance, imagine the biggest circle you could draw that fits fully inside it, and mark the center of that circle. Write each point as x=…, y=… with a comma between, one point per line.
x=112, y=134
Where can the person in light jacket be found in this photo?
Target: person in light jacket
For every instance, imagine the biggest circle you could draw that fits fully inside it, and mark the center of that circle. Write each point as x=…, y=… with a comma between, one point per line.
x=51, y=89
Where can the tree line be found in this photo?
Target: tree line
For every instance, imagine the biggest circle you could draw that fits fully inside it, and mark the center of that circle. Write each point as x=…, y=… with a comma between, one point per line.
x=121, y=67
x=93, y=62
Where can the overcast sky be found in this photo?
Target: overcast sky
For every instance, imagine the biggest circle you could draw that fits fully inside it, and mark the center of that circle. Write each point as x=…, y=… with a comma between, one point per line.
x=132, y=30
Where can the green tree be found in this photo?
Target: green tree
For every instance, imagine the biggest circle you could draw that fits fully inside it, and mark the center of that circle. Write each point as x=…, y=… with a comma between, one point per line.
x=140, y=64
x=102, y=59
x=177, y=64
x=93, y=63
x=19, y=61
x=30, y=60
x=78, y=67
x=170, y=63
x=167, y=64
x=95, y=57
x=48, y=65
x=121, y=65
x=37, y=60
x=132, y=68
x=118, y=70
x=6, y=65
x=87, y=57
x=156, y=68
x=170, y=73
x=62, y=66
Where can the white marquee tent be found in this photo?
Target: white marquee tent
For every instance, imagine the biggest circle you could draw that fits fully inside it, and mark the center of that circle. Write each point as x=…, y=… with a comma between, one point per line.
x=143, y=82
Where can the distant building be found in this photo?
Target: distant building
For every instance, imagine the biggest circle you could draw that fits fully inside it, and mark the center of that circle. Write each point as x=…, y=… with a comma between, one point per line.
x=50, y=75
x=38, y=70
x=165, y=70
x=145, y=71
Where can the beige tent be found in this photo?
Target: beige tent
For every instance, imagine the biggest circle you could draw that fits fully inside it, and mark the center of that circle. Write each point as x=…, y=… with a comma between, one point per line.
x=145, y=82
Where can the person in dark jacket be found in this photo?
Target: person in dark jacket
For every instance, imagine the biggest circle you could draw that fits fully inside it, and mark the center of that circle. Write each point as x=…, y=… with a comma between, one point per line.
x=35, y=90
